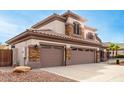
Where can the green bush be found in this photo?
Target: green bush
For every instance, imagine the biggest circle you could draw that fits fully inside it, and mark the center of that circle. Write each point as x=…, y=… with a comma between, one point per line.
x=120, y=56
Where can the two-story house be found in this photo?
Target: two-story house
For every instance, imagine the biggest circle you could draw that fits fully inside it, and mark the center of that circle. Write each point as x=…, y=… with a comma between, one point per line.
x=58, y=40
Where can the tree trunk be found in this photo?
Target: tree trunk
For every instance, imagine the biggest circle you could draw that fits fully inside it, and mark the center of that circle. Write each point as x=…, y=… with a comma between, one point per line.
x=116, y=52
x=113, y=53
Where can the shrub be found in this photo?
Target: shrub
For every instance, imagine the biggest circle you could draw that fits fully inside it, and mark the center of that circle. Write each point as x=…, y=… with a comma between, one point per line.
x=120, y=56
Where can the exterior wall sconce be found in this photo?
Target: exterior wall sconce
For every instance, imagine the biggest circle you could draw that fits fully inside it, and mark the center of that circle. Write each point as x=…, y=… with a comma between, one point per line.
x=36, y=46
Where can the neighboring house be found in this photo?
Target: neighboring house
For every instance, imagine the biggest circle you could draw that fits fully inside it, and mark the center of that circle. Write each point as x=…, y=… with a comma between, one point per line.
x=58, y=40
x=120, y=51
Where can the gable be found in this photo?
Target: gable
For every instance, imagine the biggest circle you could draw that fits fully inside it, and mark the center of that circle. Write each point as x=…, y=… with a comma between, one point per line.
x=48, y=20
x=56, y=26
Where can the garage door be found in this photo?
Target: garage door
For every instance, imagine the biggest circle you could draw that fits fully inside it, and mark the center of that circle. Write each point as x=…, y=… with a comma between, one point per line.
x=81, y=56
x=51, y=56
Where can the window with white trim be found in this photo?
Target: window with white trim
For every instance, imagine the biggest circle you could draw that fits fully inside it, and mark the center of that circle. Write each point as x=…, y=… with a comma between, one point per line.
x=76, y=28
x=90, y=36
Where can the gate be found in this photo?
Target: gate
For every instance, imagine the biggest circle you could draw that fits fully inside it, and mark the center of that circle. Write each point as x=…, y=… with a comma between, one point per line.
x=5, y=57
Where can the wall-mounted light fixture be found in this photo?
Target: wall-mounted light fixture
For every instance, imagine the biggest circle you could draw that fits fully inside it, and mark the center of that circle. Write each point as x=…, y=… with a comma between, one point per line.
x=36, y=46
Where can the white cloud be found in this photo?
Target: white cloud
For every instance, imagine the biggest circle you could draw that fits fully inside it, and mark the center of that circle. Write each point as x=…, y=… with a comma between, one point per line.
x=8, y=29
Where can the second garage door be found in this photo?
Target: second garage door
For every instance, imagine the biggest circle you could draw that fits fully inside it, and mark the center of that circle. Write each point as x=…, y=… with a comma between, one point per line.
x=81, y=56
x=51, y=55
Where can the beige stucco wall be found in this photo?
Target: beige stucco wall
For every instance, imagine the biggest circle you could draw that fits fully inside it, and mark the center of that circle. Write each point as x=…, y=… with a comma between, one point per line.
x=56, y=26
x=22, y=51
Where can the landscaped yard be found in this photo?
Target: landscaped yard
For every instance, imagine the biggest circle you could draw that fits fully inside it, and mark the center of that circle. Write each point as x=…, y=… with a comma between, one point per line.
x=32, y=76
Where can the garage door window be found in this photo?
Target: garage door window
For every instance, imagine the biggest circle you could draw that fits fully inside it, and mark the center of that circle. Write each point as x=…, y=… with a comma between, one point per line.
x=87, y=50
x=79, y=49
x=74, y=49
x=46, y=46
x=57, y=47
x=91, y=50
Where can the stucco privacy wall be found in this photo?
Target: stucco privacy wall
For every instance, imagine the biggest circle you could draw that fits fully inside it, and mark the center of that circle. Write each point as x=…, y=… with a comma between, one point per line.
x=56, y=26
x=22, y=48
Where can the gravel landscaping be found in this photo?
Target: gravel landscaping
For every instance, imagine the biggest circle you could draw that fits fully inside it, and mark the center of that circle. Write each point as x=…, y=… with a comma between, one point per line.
x=32, y=76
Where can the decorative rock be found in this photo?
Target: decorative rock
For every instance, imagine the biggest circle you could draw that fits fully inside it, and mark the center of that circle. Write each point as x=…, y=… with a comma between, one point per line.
x=21, y=69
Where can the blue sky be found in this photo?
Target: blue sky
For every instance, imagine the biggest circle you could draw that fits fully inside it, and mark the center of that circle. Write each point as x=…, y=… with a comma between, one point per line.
x=110, y=23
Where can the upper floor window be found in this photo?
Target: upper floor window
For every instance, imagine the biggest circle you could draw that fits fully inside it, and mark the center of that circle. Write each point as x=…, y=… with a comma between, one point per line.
x=90, y=35
x=76, y=28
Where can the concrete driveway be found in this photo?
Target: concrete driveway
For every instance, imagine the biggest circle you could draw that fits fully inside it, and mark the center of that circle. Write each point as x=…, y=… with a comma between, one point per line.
x=96, y=72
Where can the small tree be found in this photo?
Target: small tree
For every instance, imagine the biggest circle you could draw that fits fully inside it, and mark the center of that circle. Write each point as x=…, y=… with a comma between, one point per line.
x=116, y=47
x=112, y=48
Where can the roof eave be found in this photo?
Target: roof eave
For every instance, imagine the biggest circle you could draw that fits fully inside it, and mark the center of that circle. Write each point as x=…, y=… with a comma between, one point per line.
x=31, y=33
x=10, y=41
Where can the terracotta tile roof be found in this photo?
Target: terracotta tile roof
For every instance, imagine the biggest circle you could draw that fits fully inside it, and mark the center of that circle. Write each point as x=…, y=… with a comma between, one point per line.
x=47, y=33
x=50, y=33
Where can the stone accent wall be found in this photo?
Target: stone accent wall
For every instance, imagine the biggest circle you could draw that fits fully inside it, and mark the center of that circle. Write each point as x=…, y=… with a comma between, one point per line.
x=97, y=56
x=69, y=29
x=82, y=32
x=68, y=55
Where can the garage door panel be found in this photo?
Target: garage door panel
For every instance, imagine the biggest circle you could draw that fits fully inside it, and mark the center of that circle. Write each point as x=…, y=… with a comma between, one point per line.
x=52, y=56
x=82, y=56
x=91, y=56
